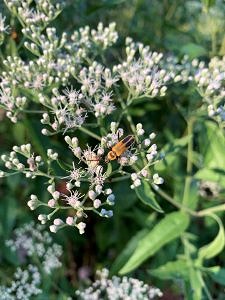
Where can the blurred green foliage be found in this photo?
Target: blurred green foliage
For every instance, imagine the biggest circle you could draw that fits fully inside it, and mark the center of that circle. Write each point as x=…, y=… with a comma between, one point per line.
x=195, y=28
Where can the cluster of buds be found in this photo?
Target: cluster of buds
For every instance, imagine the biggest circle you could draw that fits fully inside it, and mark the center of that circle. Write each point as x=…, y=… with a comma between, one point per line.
x=181, y=70
x=210, y=82
x=12, y=104
x=86, y=43
x=21, y=159
x=28, y=164
x=34, y=18
x=141, y=72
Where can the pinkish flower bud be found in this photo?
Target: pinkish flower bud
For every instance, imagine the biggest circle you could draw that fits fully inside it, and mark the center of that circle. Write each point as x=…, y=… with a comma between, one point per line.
x=69, y=221
x=51, y=203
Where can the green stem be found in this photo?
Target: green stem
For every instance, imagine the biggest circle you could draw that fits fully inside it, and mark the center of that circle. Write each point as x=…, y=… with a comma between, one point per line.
x=33, y=111
x=90, y=133
x=210, y=210
x=116, y=179
x=188, y=178
x=175, y=203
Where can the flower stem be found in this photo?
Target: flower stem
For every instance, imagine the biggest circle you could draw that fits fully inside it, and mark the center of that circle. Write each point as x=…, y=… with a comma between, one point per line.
x=188, y=178
x=90, y=133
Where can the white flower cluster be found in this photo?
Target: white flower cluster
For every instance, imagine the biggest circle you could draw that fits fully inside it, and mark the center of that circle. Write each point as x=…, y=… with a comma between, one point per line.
x=87, y=43
x=180, y=70
x=210, y=82
x=24, y=286
x=88, y=179
x=34, y=19
x=72, y=108
x=91, y=92
x=54, y=66
x=97, y=83
x=141, y=72
x=12, y=104
x=118, y=288
x=31, y=240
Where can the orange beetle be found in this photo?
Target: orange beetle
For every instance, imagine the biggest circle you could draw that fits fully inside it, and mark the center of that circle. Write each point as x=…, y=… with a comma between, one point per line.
x=118, y=149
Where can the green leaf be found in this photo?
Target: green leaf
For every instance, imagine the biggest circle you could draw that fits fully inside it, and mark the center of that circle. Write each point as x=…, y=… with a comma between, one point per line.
x=146, y=195
x=171, y=151
x=172, y=270
x=109, y=169
x=216, y=246
x=127, y=252
x=215, y=175
x=168, y=229
x=193, y=50
x=217, y=274
x=212, y=145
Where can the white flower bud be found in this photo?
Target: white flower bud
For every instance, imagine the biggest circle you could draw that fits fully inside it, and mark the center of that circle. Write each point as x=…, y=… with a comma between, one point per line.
x=38, y=159
x=8, y=165
x=157, y=180
x=69, y=186
x=4, y=157
x=20, y=166
x=74, y=141
x=51, y=188
x=137, y=182
x=44, y=131
x=68, y=140
x=146, y=142
x=108, y=191
x=97, y=203
x=113, y=127
x=152, y=136
x=70, y=221
x=16, y=148
x=58, y=222
x=53, y=228
x=134, y=176
x=98, y=189
x=81, y=227
x=92, y=195
x=56, y=195
x=42, y=218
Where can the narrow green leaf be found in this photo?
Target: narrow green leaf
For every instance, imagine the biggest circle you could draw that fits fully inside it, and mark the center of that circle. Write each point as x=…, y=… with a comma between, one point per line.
x=216, y=246
x=172, y=270
x=127, y=252
x=168, y=229
x=146, y=195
